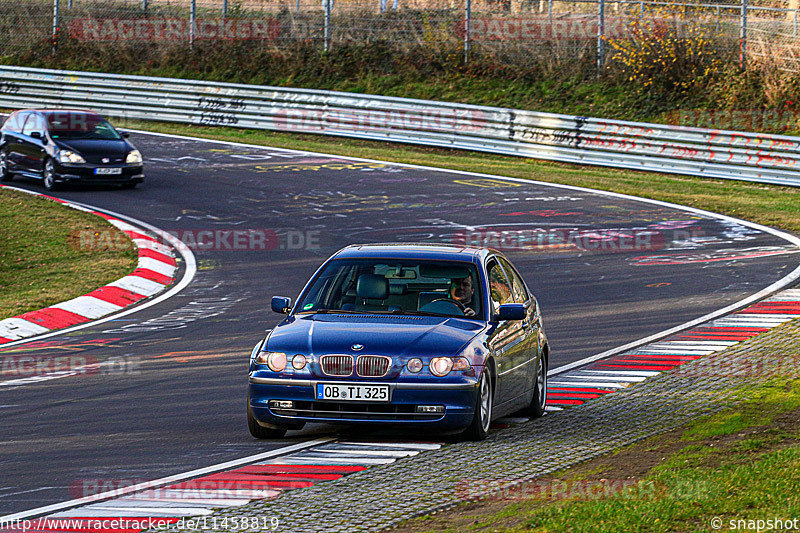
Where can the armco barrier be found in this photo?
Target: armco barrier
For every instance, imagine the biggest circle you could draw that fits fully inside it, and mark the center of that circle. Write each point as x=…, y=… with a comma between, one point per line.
x=632, y=145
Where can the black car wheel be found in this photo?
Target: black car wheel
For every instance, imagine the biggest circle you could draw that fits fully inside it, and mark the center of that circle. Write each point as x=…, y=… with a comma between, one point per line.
x=5, y=173
x=539, y=401
x=49, y=175
x=482, y=418
x=259, y=431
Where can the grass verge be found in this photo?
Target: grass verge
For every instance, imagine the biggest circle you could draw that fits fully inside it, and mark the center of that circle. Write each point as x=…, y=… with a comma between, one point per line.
x=739, y=464
x=42, y=261
x=766, y=204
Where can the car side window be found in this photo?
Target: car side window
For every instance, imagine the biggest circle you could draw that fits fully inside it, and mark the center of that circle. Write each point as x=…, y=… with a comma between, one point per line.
x=499, y=288
x=33, y=124
x=517, y=285
x=14, y=122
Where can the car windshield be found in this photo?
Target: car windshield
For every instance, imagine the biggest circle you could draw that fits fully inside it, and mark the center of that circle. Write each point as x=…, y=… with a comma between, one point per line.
x=391, y=286
x=80, y=126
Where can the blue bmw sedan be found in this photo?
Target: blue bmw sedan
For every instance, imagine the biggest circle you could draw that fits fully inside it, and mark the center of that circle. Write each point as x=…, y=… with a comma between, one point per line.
x=440, y=336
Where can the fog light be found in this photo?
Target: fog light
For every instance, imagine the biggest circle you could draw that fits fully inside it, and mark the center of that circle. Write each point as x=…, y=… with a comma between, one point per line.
x=299, y=361
x=414, y=365
x=281, y=404
x=430, y=409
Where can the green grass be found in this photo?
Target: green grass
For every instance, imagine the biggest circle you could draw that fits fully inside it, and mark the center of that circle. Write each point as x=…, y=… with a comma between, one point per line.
x=766, y=204
x=742, y=463
x=42, y=258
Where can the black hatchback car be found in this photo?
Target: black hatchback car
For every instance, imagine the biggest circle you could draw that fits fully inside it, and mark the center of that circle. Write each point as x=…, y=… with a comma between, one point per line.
x=67, y=146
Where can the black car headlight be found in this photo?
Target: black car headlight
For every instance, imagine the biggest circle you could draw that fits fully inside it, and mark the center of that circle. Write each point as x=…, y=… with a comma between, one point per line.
x=68, y=156
x=134, y=156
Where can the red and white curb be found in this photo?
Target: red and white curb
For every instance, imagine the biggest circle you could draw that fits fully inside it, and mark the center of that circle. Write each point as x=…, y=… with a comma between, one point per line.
x=620, y=371
x=155, y=271
x=166, y=501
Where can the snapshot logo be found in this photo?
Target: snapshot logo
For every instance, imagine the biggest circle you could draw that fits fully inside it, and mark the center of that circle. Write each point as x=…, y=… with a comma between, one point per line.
x=237, y=240
x=562, y=239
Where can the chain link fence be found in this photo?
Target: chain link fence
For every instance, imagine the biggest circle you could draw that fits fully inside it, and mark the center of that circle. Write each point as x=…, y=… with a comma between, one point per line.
x=560, y=30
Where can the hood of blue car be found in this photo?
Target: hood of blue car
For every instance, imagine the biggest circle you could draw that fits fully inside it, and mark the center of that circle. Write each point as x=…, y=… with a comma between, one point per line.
x=401, y=335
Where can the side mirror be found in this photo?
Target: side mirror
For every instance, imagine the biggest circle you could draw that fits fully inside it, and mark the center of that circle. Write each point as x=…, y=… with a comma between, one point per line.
x=124, y=134
x=281, y=304
x=512, y=312
x=37, y=135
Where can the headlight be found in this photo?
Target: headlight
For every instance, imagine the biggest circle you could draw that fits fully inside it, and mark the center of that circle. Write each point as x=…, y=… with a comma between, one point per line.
x=441, y=366
x=134, y=156
x=68, y=156
x=414, y=365
x=299, y=362
x=275, y=360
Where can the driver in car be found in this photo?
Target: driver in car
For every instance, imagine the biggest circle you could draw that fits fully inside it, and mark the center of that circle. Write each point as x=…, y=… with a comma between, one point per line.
x=462, y=290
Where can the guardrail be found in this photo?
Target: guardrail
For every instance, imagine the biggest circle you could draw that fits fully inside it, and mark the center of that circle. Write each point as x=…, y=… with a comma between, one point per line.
x=590, y=141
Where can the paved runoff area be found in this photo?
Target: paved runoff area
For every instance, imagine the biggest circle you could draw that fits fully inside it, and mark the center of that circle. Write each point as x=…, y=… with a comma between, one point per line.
x=368, y=485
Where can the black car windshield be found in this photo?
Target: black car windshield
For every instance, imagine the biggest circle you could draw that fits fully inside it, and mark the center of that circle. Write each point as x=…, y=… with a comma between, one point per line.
x=395, y=286
x=80, y=126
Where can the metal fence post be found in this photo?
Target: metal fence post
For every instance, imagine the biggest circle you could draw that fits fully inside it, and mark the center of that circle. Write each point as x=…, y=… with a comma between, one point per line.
x=641, y=10
x=192, y=22
x=69, y=4
x=382, y=7
x=743, y=37
x=327, y=31
x=224, y=9
x=601, y=33
x=467, y=28
x=794, y=30
x=144, y=5
x=550, y=13
x=56, y=21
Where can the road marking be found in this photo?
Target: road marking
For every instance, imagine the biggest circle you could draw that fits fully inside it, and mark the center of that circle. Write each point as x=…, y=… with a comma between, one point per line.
x=162, y=481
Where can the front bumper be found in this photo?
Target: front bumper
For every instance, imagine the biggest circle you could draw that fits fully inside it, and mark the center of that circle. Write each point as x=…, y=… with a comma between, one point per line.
x=458, y=398
x=85, y=173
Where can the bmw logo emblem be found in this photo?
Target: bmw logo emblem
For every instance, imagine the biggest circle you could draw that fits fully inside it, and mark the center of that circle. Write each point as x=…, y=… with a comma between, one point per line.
x=357, y=347
x=106, y=160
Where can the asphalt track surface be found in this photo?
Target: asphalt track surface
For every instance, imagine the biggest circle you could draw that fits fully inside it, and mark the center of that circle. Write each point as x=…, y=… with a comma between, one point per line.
x=176, y=401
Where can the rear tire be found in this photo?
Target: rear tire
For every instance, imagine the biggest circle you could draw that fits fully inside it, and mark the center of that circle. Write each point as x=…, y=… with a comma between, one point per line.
x=482, y=418
x=49, y=176
x=260, y=432
x=5, y=173
x=539, y=401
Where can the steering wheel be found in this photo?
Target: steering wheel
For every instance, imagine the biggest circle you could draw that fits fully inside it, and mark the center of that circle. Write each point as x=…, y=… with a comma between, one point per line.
x=461, y=307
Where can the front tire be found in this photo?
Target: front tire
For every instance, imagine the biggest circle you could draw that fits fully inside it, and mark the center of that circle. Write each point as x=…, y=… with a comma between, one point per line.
x=5, y=173
x=49, y=175
x=260, y=432
x=539, y=401
x=482, y=418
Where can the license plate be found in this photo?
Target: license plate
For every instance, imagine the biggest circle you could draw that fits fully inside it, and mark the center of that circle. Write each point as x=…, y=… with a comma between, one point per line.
x=108, y=171
x=352, y=392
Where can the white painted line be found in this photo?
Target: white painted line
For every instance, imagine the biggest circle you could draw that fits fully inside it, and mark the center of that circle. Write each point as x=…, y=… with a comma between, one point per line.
x=690, y=344
x=37, y=379
x=552, y=408
x=210, y=493
x=369, y=453
x=769, y=316
x=87, y=306
x=200, y=502
x=138, y=285
x=228, y=465
x=580, y=384
x=409, y=445
x=123, y=226
x=157, y=266
x=96, y=512
x=625, y=373
x=343, y=461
